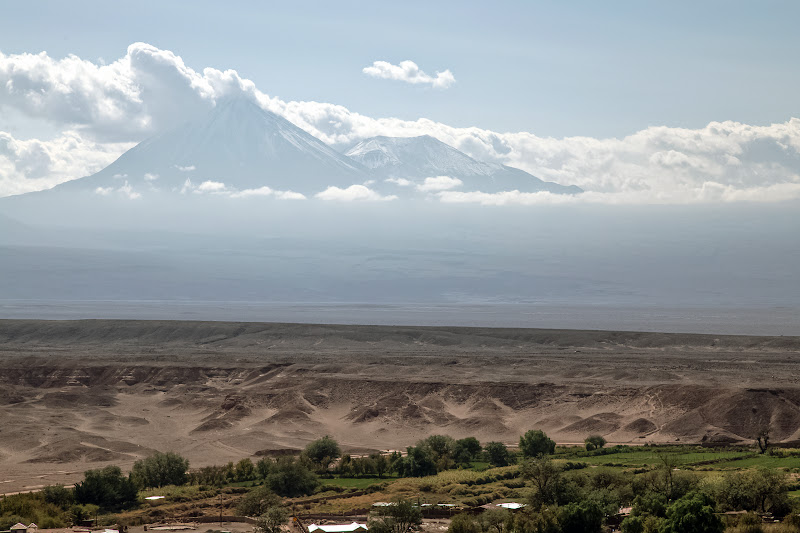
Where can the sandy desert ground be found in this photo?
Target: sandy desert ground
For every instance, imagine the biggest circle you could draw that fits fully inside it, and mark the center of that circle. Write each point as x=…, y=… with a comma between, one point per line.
x=80, y=394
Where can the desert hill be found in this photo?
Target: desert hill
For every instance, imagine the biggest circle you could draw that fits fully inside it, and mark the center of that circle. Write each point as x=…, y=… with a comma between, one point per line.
x=79, y=393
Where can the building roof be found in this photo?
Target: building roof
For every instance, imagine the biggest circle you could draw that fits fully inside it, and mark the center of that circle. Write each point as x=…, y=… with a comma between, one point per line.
x=18, y=526
x=511, y=505
x=508, y=505
x=338, y=528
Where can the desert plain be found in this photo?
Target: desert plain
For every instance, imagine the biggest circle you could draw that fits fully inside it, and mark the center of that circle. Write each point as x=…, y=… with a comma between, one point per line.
x=80, y=394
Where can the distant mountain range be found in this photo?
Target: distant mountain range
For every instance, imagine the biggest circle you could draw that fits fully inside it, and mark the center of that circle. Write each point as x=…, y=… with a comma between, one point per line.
x=240, y=146
x=415, y=158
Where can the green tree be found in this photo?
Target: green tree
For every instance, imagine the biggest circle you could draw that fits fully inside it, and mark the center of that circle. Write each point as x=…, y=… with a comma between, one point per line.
x=257, y=502
x=264, y=467
x=581, y=517
x=245, y=470
x=78, y=513
x=58, y=495
x=106, y=487
x=546, y=478
x=380, y=463
x=159, y=470
x=471, y=445
x=762, y=439
x=417, y=463
x=763, y=490
x=440, y=449
x=497, y=454
x=322, y=452
x=273, y=520
x=495, y=521
x=694, y=513
x=544, y=520
x=632, y=524
x=466, y=450
x=463, y=523
x=535, y=443
x=291, y=478
x=400, y=517
x=594, y=442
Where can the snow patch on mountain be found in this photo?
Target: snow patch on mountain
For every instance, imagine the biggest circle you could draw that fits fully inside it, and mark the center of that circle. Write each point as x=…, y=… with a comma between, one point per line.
x=406, y=160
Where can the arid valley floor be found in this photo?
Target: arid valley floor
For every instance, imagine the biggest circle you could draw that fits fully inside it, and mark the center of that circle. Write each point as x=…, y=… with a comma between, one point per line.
x=79, y=394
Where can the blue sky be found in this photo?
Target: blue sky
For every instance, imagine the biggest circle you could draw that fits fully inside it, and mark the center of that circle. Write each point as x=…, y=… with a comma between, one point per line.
x=553, y=68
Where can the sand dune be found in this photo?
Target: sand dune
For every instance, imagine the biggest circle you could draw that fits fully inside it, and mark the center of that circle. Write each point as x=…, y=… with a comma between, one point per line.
x=76, y=394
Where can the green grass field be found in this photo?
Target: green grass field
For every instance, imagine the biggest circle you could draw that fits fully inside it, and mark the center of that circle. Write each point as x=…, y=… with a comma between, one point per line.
x=357, y=482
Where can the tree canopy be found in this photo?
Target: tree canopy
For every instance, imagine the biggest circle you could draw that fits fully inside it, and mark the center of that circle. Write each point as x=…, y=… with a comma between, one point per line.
x=159, y=470
x=497, y=454
x=322, y=452
x=106, y=487
x=399, y=517
x=535, y=442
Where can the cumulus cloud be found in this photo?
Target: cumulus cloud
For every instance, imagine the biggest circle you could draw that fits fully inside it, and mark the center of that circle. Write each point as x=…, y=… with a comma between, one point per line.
x=125, y=190
x=221, y=189
x=439, y=183
x=150, y=177
x=32, y=165
x=98, y=106
x=266, y=191
x=185, y=169
x=402, y=182
x=409, y=72
x=353, y=193
x=211, y=187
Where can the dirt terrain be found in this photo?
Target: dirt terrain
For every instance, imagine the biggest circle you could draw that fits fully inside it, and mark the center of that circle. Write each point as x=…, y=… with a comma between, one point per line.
x=80, y=394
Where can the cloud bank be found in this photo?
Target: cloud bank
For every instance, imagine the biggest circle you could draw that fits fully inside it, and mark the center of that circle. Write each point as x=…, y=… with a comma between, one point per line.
x=101, y=110
x=409, y=72
x=219, y=188
x=353, y=193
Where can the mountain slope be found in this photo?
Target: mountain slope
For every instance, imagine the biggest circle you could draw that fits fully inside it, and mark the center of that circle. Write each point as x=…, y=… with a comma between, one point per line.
x=417, y=158
x=237, y=143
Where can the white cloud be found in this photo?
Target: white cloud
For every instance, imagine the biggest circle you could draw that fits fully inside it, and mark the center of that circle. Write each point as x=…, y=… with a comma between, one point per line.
x=439, y=183
x=125, y=190
x=402, y=182
x=709, y=192
x=266, y=191
x=352, y=193
x=32, y=165
x=211, y=187
x=185, y=169
x=409, y=72
x=128, y=191
x=150, y=177
x=290, y=195
x=188, y=186
x=261, y=191
x=219, y=188
x=147, y=89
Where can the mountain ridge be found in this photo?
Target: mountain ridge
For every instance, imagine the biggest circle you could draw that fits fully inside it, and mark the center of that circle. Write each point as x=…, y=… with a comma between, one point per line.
x=417, y=158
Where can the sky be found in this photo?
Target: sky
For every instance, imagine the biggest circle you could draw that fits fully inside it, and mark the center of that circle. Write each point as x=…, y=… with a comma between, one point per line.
x=633, y=101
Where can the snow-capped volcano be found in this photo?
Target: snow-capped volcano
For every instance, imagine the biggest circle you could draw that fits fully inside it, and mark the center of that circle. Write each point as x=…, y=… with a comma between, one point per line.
x=416, y=158
x=236, y=143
